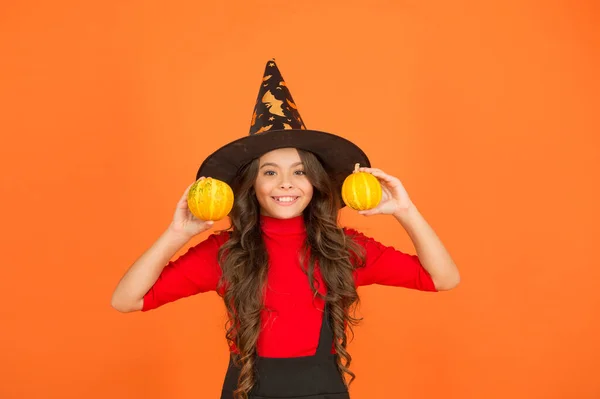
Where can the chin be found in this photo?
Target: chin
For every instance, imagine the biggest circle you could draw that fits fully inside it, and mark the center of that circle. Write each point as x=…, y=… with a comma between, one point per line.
x=283, y=214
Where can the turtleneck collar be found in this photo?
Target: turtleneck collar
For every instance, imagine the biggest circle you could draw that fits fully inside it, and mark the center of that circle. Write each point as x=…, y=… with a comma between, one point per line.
x=271, y=225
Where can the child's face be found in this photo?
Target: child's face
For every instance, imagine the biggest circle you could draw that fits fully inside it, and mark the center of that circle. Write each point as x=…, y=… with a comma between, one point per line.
x=282, y=189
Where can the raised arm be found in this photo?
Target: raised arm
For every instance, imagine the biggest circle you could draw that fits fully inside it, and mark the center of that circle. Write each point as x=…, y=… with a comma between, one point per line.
x=128, y=296
x=431, y=252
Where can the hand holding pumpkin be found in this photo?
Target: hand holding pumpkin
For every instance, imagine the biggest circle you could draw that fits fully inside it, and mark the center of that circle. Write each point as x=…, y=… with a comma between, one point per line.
x=184, y=221
x=394, y=199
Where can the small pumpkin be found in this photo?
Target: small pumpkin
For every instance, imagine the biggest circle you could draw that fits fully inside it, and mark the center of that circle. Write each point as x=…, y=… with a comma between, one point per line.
x=361, y=190
x=210, y=199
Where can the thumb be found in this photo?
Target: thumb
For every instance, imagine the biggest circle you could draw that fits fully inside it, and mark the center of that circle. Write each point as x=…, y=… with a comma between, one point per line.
x=373, y=211
x=208, y=224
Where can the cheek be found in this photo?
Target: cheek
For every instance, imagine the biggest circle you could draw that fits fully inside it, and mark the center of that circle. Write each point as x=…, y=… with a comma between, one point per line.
x=262, y=189
x=307, y=188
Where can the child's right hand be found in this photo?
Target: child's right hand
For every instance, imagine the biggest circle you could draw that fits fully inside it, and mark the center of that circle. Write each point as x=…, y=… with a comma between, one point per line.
x=184, y=222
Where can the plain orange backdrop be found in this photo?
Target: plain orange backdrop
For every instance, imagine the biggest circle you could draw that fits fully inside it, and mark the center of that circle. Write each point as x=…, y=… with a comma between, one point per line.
x=487, y=112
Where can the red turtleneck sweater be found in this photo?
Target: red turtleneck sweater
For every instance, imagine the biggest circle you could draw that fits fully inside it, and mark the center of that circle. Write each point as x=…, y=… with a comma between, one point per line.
x=291, y=320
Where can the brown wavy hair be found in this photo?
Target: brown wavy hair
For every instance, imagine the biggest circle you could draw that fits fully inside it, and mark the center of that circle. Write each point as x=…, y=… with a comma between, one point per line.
x=244, y=259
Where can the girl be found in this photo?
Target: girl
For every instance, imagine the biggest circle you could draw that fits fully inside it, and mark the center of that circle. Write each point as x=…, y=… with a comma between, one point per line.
x=286, y=271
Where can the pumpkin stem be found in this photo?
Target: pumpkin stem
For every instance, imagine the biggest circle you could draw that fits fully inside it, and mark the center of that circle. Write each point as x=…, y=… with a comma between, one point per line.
x=356, y=166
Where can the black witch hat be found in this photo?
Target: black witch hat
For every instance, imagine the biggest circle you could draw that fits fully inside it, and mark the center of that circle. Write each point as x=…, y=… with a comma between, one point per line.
x=276, y=123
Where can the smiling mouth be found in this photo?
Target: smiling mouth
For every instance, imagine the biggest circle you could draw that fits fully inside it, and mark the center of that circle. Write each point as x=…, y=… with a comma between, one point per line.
x=287, y=200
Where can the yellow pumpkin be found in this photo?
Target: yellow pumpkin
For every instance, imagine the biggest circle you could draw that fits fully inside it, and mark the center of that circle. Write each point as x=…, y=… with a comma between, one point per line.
x=210, y=199
x=361, y=190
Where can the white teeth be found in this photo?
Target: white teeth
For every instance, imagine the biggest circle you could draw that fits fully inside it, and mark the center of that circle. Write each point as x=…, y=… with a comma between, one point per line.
x=285, y=199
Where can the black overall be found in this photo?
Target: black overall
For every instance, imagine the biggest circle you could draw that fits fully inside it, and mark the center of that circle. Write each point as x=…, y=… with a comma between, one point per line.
x=306, y=377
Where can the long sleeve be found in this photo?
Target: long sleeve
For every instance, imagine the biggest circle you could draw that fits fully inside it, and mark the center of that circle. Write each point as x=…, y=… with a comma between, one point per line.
x=385, y=265
x=194, y=272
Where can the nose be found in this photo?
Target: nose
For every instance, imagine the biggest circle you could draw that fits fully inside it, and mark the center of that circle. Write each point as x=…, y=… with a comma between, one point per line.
x=285, y=183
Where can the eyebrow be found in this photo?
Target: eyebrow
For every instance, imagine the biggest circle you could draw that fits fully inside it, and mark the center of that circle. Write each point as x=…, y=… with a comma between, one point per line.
x=275, y=165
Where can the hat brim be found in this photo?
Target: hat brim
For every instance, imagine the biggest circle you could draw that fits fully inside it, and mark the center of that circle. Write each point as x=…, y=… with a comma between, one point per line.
x=337, y=154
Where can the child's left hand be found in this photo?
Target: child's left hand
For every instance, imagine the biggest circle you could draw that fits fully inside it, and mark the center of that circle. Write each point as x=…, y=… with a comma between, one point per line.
x=394, y=200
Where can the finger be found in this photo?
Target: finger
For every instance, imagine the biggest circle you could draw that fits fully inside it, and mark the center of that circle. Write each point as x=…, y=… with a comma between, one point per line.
x=382, y=175
x=370, y=170
x=386, y=190
x=378, y=173
x=369, y=212
x=183, y=200
x=186, y=193
x=386, y=193
x=390, y=180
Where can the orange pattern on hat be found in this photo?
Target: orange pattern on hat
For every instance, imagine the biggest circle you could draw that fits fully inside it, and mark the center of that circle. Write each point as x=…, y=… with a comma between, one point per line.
x=264, y=129
x=273, y=104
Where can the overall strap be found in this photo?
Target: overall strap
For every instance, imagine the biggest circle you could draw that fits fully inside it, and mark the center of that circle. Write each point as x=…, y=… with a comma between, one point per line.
x=326, y=334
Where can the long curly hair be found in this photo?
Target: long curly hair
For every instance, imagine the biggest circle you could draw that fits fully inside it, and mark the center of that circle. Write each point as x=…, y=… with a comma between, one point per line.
x=244, y=262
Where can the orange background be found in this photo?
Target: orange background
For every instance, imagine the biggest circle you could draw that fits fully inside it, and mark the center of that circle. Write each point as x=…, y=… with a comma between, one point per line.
x=487, y=111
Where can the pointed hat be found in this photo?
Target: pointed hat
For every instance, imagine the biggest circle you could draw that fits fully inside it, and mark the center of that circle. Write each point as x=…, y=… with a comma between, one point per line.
x=276, y=123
